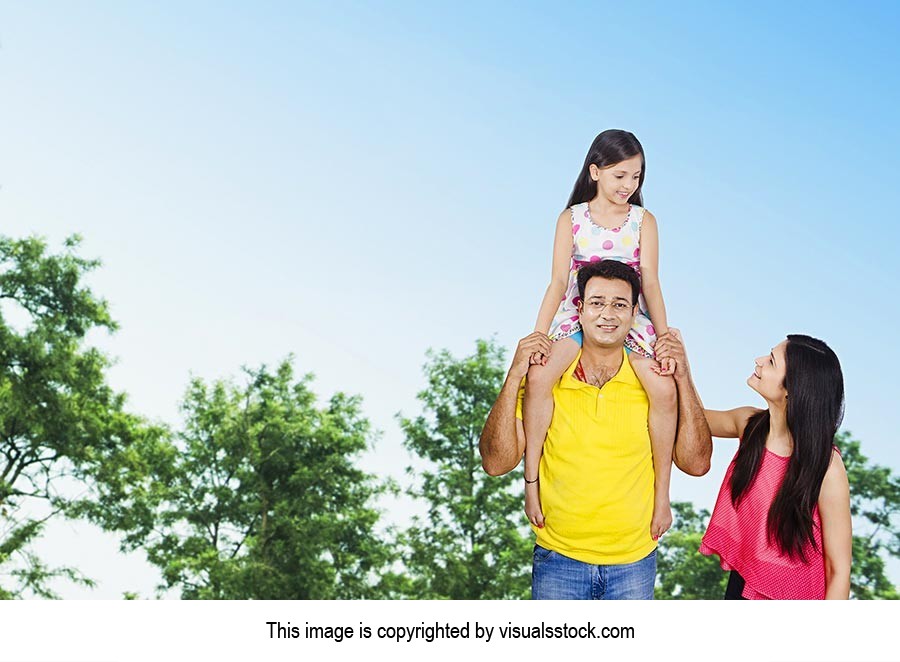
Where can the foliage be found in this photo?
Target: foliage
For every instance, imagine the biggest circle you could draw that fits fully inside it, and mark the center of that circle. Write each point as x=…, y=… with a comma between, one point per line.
x=28, y=574
x=471, y=544
x=682, y=572
x=258, y=495
x=60, y=423
x=875, y=506
x=262, y=500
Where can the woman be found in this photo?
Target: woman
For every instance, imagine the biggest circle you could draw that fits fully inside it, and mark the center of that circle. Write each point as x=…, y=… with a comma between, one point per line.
x=781, y=523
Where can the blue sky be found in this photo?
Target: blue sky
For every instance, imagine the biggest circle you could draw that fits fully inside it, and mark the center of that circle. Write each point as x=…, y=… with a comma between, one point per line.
x=355, y=183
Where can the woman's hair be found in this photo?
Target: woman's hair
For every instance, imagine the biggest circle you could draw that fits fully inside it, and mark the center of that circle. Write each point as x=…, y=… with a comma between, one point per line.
x=610, y=147
x=815, y=407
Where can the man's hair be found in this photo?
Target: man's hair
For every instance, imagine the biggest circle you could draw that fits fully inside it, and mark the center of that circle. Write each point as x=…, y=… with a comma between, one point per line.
x=610, y=269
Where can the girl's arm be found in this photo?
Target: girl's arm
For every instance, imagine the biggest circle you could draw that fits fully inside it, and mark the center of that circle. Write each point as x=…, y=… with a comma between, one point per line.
x=559, y=276
x=729, y=424
x=837, y=535
x=650, y=274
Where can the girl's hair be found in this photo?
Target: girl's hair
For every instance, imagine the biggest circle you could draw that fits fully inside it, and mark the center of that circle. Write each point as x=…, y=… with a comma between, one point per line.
x=610, y=147
x=815, y=407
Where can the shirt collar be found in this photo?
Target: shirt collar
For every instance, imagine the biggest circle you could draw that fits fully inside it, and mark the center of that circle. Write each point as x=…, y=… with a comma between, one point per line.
x=625, y=375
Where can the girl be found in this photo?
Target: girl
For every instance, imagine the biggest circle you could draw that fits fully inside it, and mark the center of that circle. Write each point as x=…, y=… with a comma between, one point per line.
x=781, y=524
x=604, y=220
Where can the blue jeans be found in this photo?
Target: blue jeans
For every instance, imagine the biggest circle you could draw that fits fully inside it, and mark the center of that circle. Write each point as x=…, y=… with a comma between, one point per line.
x=557, y=577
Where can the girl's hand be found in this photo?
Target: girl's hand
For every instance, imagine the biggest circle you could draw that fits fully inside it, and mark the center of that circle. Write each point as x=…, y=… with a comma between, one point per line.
x=538, y=358
x=667, y=366
x=670, y=346
x=533, y=345
x=664, y=366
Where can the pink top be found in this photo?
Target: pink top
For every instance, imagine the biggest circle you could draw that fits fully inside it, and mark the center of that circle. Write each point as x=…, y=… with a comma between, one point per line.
x=738, y=536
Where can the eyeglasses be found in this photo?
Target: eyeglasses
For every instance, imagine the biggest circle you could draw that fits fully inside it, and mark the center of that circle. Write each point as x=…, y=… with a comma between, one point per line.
x=599, y=306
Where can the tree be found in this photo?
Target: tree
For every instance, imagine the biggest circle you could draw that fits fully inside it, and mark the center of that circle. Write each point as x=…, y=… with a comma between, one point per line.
x=875, y=506
x=62, y=426
x=262, y=499
x=471, y=544
x=682, y=572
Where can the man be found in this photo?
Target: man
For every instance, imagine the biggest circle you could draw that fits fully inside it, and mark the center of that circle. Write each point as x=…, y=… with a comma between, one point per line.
x=596, y=473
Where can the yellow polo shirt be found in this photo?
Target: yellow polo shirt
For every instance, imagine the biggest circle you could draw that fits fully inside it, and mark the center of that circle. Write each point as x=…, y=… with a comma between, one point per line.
x=596, y=472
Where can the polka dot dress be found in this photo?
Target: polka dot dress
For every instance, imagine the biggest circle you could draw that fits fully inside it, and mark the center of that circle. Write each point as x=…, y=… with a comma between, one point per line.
x=591, y=243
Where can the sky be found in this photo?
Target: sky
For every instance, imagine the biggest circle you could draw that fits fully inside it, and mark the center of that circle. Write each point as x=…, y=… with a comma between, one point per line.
x=353, y=183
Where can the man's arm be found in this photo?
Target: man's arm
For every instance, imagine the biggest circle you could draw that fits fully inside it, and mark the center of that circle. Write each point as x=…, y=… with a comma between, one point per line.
x=693, y=441
x=503, y=437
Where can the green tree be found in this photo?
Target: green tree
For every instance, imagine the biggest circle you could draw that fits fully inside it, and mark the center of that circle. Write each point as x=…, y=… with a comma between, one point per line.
x=262, y=499
x=471, y=544
x=682, y=573
x=62, y=426
x=875, y=506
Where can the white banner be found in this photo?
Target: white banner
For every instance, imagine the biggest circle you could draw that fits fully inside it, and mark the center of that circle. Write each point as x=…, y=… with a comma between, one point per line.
x=82, y=631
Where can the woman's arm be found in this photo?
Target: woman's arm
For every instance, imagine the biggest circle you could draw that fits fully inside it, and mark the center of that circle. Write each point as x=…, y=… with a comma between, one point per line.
x=837, y=534
x=559, y=275
x=650, y=274
x=729, y=424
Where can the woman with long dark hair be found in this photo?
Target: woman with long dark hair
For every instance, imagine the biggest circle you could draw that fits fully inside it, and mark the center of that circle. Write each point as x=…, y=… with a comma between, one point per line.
x=604, y=220
x=781, y=523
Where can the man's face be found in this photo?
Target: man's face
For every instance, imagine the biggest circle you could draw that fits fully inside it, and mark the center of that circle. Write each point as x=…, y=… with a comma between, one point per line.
x=606, y=312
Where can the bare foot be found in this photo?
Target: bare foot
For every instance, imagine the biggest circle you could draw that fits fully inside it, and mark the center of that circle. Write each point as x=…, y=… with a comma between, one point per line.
x=662, y=517
x=533, y=504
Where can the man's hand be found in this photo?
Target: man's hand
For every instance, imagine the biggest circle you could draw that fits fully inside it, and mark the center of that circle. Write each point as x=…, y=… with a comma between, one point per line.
x=532, y=349
x=669, y=347
x=693, y=441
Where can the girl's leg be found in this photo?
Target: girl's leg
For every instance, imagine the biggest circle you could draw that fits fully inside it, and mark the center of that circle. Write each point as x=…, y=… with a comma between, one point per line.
x=663, y=423
x=537, y=411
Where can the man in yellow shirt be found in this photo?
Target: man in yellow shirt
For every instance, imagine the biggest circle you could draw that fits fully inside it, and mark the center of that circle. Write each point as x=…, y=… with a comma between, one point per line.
x=596, y=472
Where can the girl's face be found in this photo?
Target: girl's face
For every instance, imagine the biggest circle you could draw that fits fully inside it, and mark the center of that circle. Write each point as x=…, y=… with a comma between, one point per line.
x=768, y=374
x=619, y=181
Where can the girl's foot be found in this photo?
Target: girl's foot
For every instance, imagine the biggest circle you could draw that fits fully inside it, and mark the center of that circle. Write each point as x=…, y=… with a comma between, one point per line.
x=662, y=516
x=533, y=504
